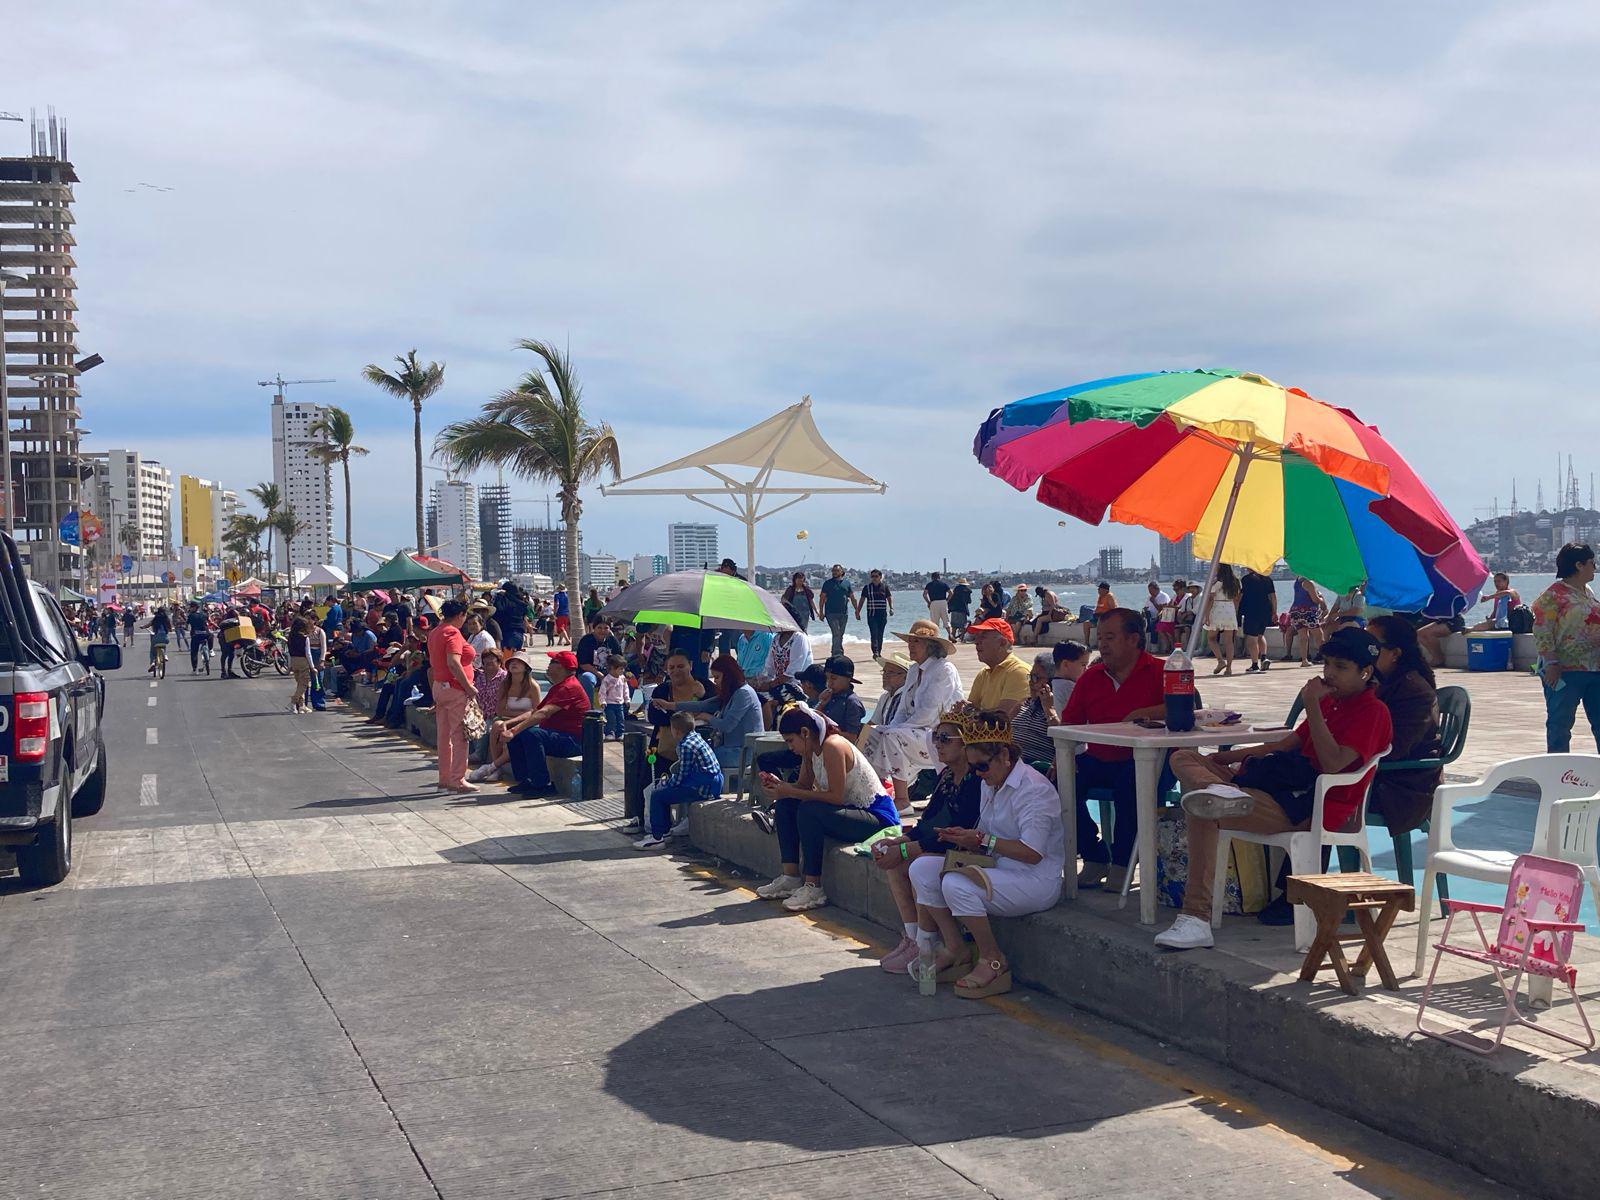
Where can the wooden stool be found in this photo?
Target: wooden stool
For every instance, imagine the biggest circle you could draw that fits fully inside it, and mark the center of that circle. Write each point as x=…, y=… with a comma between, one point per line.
x=1329, y=897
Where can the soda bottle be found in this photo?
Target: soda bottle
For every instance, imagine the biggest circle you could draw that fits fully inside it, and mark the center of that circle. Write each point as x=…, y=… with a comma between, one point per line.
x=1177, y=688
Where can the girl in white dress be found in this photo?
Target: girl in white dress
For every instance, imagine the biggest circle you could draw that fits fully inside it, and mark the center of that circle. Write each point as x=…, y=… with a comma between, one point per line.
x=1222, y=618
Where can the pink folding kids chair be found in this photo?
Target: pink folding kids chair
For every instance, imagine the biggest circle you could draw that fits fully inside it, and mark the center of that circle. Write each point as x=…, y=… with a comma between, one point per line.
x=1535, y=937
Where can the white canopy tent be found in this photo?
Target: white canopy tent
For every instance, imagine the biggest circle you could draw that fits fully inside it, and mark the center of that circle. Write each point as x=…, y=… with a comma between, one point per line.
x=787, y=442
x=327, y=575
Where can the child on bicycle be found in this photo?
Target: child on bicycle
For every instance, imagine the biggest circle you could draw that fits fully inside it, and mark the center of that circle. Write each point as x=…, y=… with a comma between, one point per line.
x=160, y=627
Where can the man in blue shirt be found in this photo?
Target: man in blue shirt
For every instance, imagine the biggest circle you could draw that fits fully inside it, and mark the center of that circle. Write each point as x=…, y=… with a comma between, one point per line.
x=335, y=618
x=563, y=616
x=837, y=597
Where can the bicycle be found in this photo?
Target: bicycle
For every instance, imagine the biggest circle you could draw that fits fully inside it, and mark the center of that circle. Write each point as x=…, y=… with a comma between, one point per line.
x=205, y=654
x=158, y=664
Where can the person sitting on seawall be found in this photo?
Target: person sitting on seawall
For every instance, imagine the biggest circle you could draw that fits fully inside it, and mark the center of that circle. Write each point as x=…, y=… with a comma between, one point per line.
x=893, y=669
x=777, y=683
x=732, y=711
x=953, y=804
x=1030, y=728
x=1269, y=789
x=813, y=681
x=679, y=685
x=1020, y=834
x=1501, y=603
x=900, y=748
x=516, y=697
x=552, y=728
x=838, y=795
x=695, y=775
x=1071, y=661
x=1125, y=685
x=1003, y=682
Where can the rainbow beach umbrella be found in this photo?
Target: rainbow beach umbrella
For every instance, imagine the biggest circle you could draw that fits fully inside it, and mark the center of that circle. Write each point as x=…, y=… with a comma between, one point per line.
x=1256, y=471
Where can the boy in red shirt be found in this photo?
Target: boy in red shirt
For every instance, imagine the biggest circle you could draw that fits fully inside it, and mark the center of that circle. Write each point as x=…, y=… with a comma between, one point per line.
x=1268, y=789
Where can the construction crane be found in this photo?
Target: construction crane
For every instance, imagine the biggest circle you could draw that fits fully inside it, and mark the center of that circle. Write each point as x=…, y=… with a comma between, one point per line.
x=5, y=116
x=279, y=382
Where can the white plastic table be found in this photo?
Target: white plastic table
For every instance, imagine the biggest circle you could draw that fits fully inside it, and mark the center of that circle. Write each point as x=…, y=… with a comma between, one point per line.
x=1150, y=747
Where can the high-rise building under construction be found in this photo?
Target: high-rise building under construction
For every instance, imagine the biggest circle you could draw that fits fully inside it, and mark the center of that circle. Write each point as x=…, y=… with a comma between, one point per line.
x=38, y=331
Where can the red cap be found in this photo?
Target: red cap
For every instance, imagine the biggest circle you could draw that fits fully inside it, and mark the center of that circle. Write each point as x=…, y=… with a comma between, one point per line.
x=994, y=625
x=565, y=658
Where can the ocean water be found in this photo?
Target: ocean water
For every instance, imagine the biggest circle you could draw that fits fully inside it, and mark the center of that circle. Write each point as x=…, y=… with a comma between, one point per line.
x=909, y=606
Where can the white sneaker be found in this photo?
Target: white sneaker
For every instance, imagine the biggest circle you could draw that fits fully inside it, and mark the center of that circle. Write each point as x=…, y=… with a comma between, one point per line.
x=1218, y=800
x=681, y=829
x=780, y=888
x=650, y=842
x=1187, y=933
x=807, y=895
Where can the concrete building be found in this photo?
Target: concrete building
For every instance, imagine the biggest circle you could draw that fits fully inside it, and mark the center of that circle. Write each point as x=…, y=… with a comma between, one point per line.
x=39, y=364
x=305, y=484
x=597, y=570
x=1177, y=558
x=648, y=566
x=1110, y=562
x=537, y=550
x=203, y=513
x=130, y=491
x=692, y=546
x=455, y=537
x=494, y=530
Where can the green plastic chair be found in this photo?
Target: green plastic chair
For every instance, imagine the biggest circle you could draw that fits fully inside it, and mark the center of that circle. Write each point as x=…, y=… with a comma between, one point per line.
x=1455, y=715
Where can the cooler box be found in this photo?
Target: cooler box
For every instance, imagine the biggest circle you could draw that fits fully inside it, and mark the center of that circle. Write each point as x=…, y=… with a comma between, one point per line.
x=246, y=631
x=1489, y=651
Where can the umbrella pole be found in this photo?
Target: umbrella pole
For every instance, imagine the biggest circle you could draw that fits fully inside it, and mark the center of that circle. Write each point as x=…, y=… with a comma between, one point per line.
x=1195, y=633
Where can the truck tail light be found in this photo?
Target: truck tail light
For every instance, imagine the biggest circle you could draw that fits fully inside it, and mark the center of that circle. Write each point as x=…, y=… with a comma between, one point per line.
x=32, y=718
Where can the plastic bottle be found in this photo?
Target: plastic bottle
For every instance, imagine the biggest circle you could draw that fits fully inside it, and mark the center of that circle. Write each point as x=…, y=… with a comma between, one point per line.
x=927, y=972
x=1177, y=688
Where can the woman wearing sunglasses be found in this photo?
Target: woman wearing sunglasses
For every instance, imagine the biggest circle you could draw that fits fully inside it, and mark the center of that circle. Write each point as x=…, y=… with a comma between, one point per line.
x=1020, y=836
x=954, y=803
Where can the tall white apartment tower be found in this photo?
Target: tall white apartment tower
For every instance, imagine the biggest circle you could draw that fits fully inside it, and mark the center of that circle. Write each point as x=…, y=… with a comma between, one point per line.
x=692, y=546
x=455, y=507
x=304, y=483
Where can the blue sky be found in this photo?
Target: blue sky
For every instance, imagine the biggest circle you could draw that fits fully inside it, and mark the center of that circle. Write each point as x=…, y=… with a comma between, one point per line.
x=911, y=213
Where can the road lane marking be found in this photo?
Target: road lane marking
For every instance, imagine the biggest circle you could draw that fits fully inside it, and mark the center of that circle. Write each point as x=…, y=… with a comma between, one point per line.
x=151, y=702
x=152, y=683
x=147, y=792
x=149, y=737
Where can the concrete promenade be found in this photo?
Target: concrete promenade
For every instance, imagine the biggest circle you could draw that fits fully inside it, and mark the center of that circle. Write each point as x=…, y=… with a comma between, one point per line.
x=285, y=966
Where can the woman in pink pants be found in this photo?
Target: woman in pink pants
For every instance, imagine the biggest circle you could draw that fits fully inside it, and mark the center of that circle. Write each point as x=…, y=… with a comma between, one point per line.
x=450, y=658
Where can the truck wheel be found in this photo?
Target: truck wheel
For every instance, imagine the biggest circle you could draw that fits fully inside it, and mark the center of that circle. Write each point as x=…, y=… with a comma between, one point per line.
x=91, y=797
x=48, y=860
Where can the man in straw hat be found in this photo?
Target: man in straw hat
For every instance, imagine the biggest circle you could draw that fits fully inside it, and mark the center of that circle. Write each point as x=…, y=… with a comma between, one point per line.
x=901, y=748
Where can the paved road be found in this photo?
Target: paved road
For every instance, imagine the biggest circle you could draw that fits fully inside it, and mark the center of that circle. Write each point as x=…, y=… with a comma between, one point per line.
x=285, y=967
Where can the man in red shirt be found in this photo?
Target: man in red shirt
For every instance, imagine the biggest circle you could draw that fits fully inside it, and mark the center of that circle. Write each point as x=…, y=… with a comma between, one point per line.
x=1123, y=686
x=1270, y=789
x=556, y=725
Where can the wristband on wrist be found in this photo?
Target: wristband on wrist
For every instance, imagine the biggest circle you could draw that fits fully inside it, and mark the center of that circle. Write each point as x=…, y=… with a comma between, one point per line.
x=905, y=852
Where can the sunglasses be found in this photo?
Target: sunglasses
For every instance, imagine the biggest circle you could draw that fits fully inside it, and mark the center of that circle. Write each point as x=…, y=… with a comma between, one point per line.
x=981, y=768
x=946, y=739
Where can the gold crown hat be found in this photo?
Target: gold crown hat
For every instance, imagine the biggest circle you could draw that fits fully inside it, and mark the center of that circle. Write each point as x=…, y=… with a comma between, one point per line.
x=960, y=715
x=983, y=730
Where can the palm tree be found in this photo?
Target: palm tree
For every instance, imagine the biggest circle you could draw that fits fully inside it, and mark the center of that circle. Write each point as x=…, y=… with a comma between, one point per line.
x=271, y=500
x=538, y=429
x=242, y=539
x=132, y=541
x=339, y=446
x=288, y=527
x=416, y=383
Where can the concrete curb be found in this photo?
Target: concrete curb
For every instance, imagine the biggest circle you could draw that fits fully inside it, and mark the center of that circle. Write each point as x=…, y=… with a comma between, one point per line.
x=1355, y=1058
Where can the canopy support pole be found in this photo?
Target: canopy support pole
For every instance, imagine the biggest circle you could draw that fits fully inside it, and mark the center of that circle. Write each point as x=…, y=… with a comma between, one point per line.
x=1204, y=611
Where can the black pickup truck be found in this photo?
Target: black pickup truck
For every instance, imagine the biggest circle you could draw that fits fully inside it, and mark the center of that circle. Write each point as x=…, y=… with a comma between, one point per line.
x=52, y=757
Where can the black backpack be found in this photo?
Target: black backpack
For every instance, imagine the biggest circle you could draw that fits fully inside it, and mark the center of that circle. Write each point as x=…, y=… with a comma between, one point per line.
x=1520, y=619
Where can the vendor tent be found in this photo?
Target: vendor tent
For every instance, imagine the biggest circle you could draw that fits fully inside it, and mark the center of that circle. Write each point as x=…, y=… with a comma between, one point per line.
x=323, y=576
x=403, y=571
x=441, y=564
x=788, y=442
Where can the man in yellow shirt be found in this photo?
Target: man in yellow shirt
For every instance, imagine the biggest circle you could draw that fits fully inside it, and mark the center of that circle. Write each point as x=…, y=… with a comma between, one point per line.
x=1003, y=682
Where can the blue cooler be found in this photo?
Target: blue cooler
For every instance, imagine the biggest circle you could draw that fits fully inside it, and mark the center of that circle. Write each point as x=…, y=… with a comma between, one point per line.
x=1489, y=651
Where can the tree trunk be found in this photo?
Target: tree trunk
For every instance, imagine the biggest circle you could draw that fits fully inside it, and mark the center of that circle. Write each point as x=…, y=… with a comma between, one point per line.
x=416, y=435
x=349, y=551
x=569, y=518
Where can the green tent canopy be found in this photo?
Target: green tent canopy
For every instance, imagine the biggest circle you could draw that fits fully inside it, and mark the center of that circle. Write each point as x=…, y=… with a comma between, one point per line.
x=403, y=571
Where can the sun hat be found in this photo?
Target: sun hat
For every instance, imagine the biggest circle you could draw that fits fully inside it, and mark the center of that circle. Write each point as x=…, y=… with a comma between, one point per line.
x=928, y=631
x=896, y=658
x=993, y=625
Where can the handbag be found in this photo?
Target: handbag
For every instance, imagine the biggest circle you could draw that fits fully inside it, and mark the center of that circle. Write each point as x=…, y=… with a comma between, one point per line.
x=971, y=864
x=472, y=721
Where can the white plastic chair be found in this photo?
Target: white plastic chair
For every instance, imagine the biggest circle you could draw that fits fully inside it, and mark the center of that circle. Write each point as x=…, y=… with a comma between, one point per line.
x=1565, y=828
x=1304, y=846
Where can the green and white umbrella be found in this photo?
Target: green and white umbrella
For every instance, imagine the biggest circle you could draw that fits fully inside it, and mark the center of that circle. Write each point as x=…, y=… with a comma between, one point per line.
x=700, y=600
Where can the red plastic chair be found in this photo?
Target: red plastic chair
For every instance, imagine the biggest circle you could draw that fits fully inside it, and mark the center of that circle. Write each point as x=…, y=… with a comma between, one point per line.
x=1537, y=922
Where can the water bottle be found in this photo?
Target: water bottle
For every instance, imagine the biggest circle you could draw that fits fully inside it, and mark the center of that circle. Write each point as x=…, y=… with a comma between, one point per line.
x=1177, y=688
x=927, y=972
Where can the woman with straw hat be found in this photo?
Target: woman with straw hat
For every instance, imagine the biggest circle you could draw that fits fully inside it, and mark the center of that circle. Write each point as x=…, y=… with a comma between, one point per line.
x=902, y=748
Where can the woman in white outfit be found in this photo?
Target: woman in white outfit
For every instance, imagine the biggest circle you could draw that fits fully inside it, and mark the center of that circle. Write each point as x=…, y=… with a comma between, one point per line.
x=1222, y=618
x=902, y=748
x=1019, y=828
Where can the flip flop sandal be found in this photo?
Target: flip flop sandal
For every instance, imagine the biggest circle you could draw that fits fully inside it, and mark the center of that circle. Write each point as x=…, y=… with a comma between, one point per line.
x=1000, y=984
x=960, y=968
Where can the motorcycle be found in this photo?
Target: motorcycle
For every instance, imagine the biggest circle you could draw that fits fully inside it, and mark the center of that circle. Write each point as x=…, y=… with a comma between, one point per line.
x=264, y=652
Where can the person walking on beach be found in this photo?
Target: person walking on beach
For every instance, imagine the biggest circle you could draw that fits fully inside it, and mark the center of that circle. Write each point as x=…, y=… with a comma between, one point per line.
x=1258, y=608
x=878, y=601
x=800, y=600
x=837, y=597
x=960, y=608
x=1222, y=618
x=936, y=593
x=1566, y=631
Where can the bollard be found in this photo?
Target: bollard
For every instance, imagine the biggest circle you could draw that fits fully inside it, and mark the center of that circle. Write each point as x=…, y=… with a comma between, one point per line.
x=594, y=754
x=635, y=772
